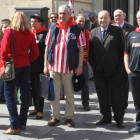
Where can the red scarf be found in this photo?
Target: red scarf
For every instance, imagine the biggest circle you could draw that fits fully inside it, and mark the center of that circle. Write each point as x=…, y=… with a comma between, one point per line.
x=71, y=22
x=137, y=30
x=86, y=48
x=43, y=28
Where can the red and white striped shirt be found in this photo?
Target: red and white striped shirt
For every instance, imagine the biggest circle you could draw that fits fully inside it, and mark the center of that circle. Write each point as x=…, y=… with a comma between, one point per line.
x=60, y=58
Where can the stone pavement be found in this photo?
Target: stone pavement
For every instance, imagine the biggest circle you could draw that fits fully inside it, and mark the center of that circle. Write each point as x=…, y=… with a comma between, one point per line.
x=85, y=123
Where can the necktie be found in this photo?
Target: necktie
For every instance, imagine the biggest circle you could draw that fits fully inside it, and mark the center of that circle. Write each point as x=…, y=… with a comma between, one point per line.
x=104, y=32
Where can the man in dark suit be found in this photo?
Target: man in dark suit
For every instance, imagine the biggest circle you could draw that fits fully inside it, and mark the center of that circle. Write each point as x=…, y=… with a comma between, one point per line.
x=127, y=28
x=106, y=52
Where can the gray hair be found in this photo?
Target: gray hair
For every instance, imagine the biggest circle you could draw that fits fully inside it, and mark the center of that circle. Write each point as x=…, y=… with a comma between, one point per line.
x=105, y=12
x=65, y=7
x=93, y=14
x=119, y=11
x=137, y=13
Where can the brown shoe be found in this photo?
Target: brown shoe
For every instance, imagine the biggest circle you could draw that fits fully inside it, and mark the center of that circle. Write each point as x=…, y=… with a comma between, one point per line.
x=53, y=122
x=23, y=127
x=12, y=131
x=70, y=123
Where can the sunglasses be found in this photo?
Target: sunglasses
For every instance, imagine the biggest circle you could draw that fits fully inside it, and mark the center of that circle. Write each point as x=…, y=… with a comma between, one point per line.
x=53, y=17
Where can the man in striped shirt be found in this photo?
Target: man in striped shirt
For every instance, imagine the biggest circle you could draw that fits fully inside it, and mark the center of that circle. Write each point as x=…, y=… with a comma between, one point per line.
x=64, y=54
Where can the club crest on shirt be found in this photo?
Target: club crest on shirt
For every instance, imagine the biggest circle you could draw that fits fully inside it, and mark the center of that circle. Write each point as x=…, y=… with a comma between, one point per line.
x=40, y=36
x=72, y=36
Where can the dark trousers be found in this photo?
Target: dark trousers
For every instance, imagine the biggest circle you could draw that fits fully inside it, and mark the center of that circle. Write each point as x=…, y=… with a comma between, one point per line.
x=85, y=89
x=21, y=77
x=125, y=90
x=134, y=81
x=110, y=94
x=2, y=91
x=37, y=100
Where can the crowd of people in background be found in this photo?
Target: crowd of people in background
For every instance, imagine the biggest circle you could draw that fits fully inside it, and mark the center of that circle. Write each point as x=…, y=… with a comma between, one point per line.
x=110, y=51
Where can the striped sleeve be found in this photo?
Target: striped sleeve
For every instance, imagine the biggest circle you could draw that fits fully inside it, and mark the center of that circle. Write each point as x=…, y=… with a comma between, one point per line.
x=126, y=53
x=81, y=40
x=48, y=38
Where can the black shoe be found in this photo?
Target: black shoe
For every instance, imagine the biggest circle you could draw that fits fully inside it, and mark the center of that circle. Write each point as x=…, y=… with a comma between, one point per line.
x=70, y=123
x=39, y=117
x=2, y=101
x=86, y=107
x=62, y=98
x=32, y=113
x=53, y=122
x=91, y=79
x=134, y=131
x=120, y=124
x=102, y=122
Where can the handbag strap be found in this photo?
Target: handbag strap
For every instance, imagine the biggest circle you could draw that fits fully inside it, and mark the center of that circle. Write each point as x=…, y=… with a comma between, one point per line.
x=11, y=43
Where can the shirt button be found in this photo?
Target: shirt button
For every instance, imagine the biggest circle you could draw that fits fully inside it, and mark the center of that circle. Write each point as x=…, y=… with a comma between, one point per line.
x=102, y=56
x=101, y=50
x=101, y=63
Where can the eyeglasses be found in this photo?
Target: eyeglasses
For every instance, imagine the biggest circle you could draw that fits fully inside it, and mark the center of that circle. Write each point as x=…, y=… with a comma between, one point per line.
x=53, y=17
x=138, y=18
x=34, y=21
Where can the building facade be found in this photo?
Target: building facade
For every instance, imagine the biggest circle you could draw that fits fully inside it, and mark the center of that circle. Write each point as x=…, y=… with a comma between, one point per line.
x=7, y=7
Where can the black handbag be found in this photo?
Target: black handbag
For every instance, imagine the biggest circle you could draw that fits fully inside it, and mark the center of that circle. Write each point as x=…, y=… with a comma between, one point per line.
x=46, y=88
x=9, y=73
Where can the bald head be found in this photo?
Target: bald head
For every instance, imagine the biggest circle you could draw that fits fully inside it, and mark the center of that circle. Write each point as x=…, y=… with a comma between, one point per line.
x=138, y=17
x=104, y=18
x=119, y=16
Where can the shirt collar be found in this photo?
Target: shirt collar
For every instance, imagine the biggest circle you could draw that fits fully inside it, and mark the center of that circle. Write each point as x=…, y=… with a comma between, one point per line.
x=121, y=24
x=94, y=21
x=104, y=29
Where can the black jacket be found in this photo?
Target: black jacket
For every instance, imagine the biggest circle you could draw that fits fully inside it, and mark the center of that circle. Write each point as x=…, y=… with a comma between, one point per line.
x=106, y=55
x=37, y=66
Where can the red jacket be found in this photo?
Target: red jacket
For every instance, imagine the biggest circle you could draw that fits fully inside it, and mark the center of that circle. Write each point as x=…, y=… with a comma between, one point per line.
x=23, y=41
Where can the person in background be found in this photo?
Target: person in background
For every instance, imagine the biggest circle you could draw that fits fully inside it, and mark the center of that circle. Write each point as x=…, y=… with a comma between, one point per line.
x=64, y=50
x=23, y=40
x=5, y=23
x=113, y=21
x=124, y=14
x=127, y=28
x=93, y=16
x=37, y=66
x=80, y=20
x=53, y=17
x=132, y=67
x=106, y=51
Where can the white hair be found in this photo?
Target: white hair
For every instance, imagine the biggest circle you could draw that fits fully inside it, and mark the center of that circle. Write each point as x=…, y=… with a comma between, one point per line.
x=65, y=7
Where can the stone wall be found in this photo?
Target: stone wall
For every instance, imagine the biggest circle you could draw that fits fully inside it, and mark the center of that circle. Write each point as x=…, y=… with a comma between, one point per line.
x=7, y=7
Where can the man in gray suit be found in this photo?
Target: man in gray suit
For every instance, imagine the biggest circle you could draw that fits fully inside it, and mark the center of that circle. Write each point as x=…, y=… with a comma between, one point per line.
x=106, y=53
x=127, y=28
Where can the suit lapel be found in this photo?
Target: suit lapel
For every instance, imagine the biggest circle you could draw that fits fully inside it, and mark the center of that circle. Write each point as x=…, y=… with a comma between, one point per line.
x=99, y=33
x=107, y=34
x=124, y=28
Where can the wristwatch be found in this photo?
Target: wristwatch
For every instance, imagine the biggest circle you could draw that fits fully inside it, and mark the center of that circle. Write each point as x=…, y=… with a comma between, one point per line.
x=80, y=66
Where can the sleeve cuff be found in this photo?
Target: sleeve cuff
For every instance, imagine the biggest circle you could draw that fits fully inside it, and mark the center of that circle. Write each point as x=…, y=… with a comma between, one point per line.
x=126, y=53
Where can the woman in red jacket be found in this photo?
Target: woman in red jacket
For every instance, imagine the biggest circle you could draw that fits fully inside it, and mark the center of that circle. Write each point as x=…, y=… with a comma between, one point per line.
x=23, y=40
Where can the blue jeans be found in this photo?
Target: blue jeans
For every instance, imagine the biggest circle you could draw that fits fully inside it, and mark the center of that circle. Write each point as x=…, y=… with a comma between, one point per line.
x=85, y=89
x=134, y=81
x=22, y=78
